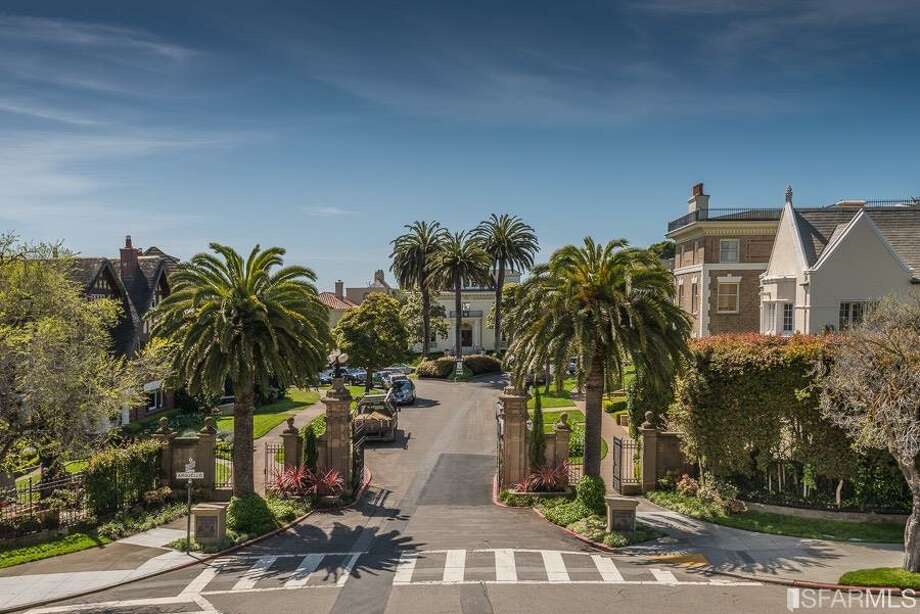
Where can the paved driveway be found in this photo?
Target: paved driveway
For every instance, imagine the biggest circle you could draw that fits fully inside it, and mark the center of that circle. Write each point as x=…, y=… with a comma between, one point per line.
x=426, y=538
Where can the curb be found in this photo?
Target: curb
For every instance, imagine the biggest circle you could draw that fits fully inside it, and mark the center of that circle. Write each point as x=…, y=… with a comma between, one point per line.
x=35, y=604
x=774, y=581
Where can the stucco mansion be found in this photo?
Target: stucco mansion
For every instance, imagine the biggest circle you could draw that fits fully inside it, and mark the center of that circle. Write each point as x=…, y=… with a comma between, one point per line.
x=792, y=269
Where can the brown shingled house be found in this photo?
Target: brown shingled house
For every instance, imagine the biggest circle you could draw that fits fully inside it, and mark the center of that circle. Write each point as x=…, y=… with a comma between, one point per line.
x=137, y=280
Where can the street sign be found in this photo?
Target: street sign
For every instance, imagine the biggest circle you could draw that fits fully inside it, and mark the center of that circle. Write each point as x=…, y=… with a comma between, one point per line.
x=190, y=475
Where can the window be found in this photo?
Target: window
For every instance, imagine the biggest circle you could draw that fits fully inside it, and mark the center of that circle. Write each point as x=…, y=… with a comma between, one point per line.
x=788, y=318
x=694, y=297
x=852, y=313
x=728, y=297
x=679, y=298
x=728, y=250
x=155, y=400
x=770, y=318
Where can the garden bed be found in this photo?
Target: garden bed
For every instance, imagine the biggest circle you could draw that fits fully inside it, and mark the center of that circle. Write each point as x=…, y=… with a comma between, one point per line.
x=891, y=577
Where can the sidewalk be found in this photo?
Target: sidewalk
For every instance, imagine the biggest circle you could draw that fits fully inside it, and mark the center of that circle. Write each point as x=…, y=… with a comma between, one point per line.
x=302, y=418
x=86, y=570
x=759, y=555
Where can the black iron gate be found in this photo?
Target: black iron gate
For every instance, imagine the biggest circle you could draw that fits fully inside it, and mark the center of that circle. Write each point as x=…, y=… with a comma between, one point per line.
x=358, y=442
x=499, y=440
x=625, y=472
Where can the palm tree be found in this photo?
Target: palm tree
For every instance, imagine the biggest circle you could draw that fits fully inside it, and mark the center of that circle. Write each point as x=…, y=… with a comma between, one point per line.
x=460, y=262
x=510, y=243
x=412, y=254
x=611, y=303
x=251, y=323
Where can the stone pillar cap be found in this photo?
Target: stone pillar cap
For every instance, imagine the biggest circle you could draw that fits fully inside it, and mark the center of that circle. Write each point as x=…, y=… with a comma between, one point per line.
x=291, y=429
x=208, y=428
x=563, y=423
x=618, y=502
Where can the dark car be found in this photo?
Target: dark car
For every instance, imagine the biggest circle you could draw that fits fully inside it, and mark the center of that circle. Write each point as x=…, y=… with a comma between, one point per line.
x=402, y=390
x=325, y=377
x=355, y=375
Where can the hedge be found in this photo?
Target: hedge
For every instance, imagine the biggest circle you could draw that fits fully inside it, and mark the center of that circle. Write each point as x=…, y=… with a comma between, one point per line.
x=748, y=413
x=117, y=478
x=444, y=367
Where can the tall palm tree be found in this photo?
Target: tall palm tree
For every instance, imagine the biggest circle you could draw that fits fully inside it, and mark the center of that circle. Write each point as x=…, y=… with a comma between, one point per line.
x=510, y=243
x=460, y=262
x=250, y=322
x=412, y=254
x=611, y=303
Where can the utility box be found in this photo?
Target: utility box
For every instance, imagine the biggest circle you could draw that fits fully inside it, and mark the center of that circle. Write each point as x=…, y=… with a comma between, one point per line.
x=209, y=522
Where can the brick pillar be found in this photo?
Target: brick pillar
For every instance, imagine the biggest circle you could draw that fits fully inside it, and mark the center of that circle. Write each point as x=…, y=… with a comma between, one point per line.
x=649, y=437
x=293, y=444
x=514, y=447
x=165, y=435
x=338, y=430
x=563, y=434
x=207, y=457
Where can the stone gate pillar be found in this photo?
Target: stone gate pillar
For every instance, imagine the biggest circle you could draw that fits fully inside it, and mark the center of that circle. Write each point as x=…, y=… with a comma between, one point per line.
x=563, y=433
x=293, y=444
x=165, y=435
x=207, y=456
x=514, y=467
x=338, y=430
x=649, y=437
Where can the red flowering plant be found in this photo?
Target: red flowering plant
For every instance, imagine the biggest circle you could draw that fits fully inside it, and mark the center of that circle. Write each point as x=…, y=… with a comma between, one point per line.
x=547, y=479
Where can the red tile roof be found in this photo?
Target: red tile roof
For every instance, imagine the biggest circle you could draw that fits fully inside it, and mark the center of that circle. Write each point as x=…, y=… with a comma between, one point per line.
x=331, y=301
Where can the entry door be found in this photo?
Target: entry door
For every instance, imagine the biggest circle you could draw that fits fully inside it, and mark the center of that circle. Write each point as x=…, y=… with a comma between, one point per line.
x=466, y=338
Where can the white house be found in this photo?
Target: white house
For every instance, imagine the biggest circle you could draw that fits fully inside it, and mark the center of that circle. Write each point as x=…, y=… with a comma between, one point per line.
x=828, y=264
x=476, y=302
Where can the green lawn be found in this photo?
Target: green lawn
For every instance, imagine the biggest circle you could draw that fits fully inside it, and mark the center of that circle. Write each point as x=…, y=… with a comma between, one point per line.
x=552, y=398
x=65, y=545
x=882, y=576
x=550, y=418
x=269, y=416
x=781, y=524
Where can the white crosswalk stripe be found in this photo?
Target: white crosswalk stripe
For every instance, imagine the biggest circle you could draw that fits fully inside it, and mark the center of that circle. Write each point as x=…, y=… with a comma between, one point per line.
x=433, y=567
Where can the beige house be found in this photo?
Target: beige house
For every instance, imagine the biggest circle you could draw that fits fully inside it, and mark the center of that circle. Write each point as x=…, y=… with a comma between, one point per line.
x=475, y=335
x=828, y=264
x=720, y=255
x=337, y=303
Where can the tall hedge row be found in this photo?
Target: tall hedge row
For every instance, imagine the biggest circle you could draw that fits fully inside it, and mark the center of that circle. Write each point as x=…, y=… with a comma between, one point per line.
x=748, y=412
x=117, y=478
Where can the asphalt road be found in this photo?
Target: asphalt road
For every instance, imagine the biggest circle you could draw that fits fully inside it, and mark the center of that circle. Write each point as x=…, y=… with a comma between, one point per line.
x=427, y=539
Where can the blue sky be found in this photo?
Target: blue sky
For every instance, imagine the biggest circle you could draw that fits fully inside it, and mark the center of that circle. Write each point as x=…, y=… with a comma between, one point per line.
x=324, y=128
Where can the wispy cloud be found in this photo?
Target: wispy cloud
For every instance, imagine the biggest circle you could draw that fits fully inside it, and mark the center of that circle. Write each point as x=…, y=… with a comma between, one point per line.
x=32, y=108
x=327, y=211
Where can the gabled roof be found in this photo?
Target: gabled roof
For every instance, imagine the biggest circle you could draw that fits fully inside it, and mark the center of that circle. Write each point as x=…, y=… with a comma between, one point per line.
x=900, y=226
x=330, y=300
x=85, y=271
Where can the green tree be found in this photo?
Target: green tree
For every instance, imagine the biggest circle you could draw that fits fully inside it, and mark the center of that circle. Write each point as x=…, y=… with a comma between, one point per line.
x=537, y=440
x=412, y=256
x=460, y=262
x=254, y=322
x=510, y=243
x=663, y=249
x=411, y=310
x=608, y=303
x=58, y=379
x=373, y=335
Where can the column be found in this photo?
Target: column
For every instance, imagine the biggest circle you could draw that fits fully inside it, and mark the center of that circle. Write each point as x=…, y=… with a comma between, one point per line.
x=207, y=459
x=563, y=434
x=338, y=430
x=514, y=448
x=165, y=435
x=293, y=445
x=649, y=435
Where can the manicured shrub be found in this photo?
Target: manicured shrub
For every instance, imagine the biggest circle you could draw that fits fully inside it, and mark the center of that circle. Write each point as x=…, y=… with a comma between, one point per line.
x=117, y=478
x=567, y=513
x=687, y=486
x=249, y=515
x=286, y=510
x=479, y=364
x=536, y=438
x=310, y=453
x=590, y=492
x=438, y=368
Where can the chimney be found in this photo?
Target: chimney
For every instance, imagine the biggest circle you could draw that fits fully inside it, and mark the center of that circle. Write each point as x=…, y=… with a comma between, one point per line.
x=698, y=200
x=378, y=276
x=339, y=289
x=128, y=260
x=788, y=194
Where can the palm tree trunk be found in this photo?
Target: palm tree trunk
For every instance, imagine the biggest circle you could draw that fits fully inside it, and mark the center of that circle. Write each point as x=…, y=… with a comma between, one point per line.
x=594, y=390
x=499, y=284
x=426, y=322
x=368, y=380
x=243, y=407
x=457, y=320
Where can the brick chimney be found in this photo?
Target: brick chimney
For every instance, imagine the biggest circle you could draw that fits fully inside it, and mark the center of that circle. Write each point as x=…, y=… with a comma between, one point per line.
x=379, y=276
x=698, y=200
x=339, y=289
x=128, y=260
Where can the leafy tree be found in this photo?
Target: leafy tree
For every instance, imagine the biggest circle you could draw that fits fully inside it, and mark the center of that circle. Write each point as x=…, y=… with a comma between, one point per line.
x=871, y=389
x=254, y=322
x=411, y=314
x=58, y=379
x=607, y=303
x=373, y=334
x=537, y=440
x=510, y=243
x=412, y=255
x=460, y=262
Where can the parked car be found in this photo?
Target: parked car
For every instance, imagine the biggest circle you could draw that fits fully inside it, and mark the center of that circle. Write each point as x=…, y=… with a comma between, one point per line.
x=325, y=377
x=573, y=366
x=376, y=417
x=381, y=379
x=402, y=368
x=402, y=390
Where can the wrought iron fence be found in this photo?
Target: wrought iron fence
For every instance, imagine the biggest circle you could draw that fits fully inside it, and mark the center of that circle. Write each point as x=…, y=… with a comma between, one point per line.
x=274, y=461
x=223, y=465
x=35, y=504
x=625, y=462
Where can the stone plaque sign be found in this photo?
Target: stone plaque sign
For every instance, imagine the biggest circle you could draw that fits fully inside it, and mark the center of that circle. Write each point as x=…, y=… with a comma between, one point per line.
x=205, y=527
